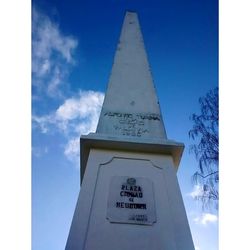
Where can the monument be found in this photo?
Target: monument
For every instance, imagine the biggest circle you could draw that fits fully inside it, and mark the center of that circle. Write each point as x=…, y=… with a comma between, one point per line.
x=129, y=196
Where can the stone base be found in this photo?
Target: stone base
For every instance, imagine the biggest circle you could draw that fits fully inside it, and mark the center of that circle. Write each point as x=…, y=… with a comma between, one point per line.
x=96, y=226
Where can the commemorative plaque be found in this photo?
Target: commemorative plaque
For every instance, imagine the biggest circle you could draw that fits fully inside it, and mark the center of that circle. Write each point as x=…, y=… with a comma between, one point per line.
x=131, y=200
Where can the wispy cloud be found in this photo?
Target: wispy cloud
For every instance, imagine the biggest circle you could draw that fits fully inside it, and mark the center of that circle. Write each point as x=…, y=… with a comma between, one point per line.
x=206, y=218
x=39, y=151
x=77, y=115
x=52, y=54
x=72, y=150
x=196, y=192
x=52, y=60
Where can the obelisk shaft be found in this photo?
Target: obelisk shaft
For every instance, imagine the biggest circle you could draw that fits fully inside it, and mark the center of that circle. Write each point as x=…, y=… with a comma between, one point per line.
x=131, y=107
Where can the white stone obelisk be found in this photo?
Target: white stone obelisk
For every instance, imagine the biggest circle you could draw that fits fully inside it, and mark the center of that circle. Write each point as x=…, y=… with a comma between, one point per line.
x=129, y=196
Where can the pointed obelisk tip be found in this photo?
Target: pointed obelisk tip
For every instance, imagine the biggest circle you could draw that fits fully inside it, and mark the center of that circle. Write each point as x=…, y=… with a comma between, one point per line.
x=131, y=12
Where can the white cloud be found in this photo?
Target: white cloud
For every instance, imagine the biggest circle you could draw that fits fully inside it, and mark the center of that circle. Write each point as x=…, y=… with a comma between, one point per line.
x=197, y=191
x=197, y=248
x=42, y=122
x=77, y=115
x=39, y=151
x=52, y=58
x=206, y=218
x=52, y=53
x=86, y=104
x=72, y=150
x=56, y=79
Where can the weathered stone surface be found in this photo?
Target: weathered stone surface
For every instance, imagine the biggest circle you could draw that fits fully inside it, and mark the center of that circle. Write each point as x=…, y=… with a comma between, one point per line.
x=131, y=106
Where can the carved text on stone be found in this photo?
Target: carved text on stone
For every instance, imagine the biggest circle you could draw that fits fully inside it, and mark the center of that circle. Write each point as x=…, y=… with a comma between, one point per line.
x=132, y=124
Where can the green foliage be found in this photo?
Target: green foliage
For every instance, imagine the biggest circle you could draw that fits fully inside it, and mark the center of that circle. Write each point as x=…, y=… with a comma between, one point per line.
x=206, y=148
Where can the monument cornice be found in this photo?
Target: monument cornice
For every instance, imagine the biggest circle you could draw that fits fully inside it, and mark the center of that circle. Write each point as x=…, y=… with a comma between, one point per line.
x=145, y=145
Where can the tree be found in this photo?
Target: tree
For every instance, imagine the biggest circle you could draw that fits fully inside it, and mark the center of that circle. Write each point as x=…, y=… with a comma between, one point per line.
x=206, y=148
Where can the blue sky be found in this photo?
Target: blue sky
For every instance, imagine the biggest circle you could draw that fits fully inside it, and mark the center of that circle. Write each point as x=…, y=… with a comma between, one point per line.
x=73, y=45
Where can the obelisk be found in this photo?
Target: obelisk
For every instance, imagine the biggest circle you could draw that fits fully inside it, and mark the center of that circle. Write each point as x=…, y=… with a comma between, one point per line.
x=129, y=196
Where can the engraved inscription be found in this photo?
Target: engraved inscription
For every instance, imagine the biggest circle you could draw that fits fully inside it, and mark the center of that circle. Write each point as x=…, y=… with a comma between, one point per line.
x=139, y=217
x=131, y=124
x=129, y=115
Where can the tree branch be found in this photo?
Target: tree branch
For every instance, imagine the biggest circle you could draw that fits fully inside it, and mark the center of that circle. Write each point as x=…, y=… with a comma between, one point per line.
x=215, y=172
